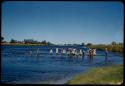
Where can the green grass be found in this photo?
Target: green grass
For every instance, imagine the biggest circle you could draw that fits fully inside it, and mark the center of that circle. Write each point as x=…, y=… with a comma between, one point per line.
x=114, y=48
x=105, y=75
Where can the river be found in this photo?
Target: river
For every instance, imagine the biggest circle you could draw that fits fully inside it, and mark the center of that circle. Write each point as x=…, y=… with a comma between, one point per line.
x=20, y=67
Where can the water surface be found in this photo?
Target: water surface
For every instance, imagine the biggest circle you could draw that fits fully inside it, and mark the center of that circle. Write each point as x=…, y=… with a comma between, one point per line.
x=18, y=66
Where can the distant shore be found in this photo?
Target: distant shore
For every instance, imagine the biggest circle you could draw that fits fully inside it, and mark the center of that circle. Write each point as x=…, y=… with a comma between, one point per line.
x=117, y=48
x=17, y=44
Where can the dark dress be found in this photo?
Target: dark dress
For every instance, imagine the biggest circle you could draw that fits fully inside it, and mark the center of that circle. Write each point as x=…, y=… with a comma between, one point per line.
x=106, y=56
x=90, y=56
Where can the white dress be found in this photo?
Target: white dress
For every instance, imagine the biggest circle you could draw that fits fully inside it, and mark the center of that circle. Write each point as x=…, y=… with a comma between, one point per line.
x=94, y=53
x=64, y=51
x=51, y=51
x=80, y=52
x=56, y=50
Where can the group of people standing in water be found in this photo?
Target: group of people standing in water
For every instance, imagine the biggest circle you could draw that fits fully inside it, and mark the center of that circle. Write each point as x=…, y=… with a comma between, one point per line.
x=90, y=53
x=74, y=52
x=69, y=51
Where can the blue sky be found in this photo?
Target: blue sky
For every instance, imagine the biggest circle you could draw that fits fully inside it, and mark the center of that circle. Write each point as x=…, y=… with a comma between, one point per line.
x=63, y=22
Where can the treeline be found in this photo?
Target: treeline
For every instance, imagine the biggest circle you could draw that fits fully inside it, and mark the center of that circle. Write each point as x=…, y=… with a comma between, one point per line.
x=114, y=47
x=25, y=41
x=34, y=42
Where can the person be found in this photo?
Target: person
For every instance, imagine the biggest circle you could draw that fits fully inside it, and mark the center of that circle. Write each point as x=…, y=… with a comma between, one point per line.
x=80, y=52
x=51, y=51
x=83, y=52
x=68, y=51
x=73, y=51
x=30, y=52
x=90, y=55
x=106, y=54
x=37, y=52
x=57, y=50
x=76, y=53
x=94, y=52
x=63, y=51
x=87, y=52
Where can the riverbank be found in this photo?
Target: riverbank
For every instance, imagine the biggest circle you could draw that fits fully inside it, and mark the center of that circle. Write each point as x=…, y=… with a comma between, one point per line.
x=117, y=48
x=106, y=75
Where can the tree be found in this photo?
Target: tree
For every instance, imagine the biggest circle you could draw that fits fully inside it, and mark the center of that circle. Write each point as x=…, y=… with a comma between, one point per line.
x=83, y=43
x=88, y=44
x=49, y=43
x=44, y=42
x=2, y=38
x=29, y=41
x=113, y=43
x=120, y=43
x=13, y=41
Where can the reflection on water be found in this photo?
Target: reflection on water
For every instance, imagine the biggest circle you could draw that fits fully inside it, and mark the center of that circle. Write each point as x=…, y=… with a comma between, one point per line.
x=18, y=66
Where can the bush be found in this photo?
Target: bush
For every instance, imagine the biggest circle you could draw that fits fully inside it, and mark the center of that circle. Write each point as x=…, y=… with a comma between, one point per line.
x=113, y=48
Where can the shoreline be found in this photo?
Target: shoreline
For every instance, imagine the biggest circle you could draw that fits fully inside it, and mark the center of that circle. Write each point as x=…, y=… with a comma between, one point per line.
x=25, y=44
x=86, y=77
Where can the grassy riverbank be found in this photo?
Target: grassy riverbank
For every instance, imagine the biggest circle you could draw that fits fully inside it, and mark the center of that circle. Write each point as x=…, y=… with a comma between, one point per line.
x=114, y=48
x=105, y=75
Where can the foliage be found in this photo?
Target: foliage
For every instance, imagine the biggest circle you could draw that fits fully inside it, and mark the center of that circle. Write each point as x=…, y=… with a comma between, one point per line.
x=83, y=43
x=114, y=47
x=13, y=41
x=2, y=38
x=113, y=43
x=89, y=44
